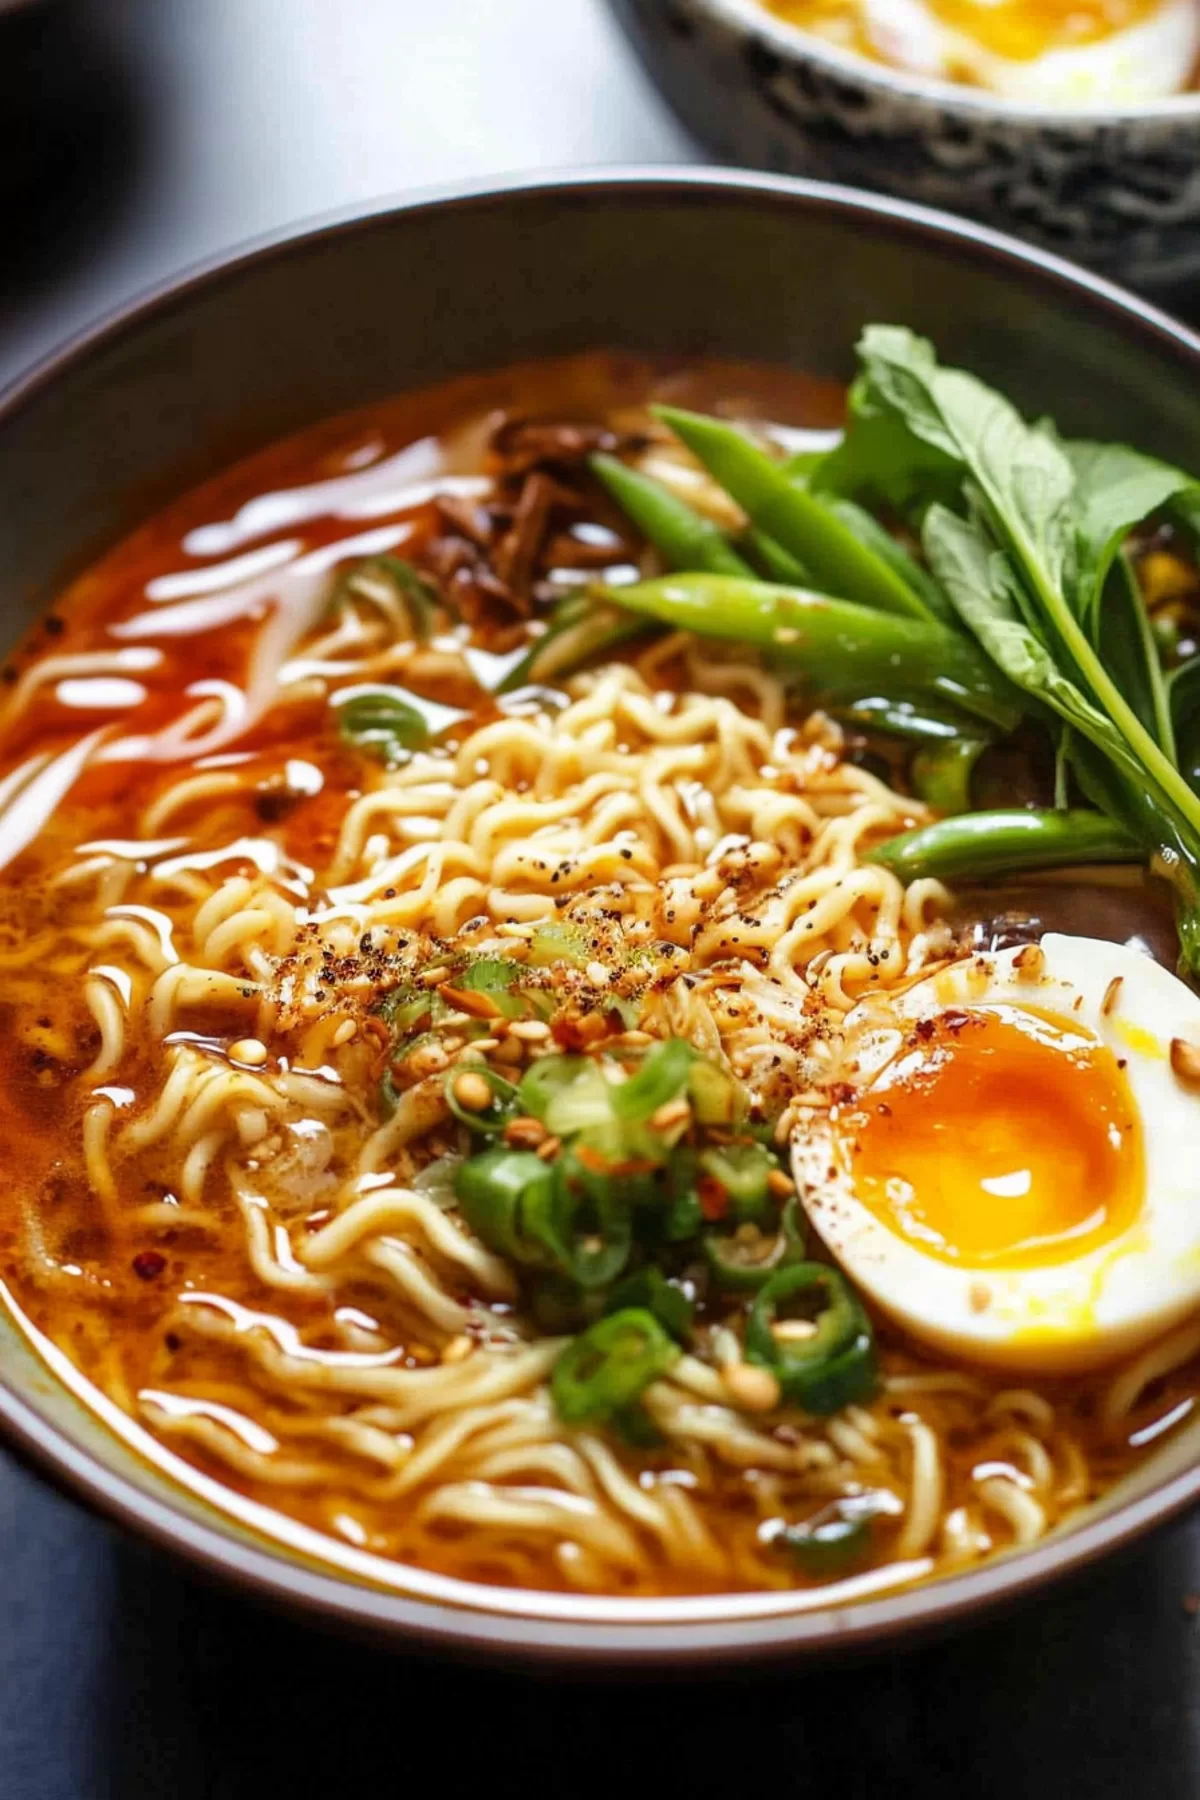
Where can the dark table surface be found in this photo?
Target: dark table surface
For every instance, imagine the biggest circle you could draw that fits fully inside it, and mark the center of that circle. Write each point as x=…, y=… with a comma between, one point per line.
x=200, y=123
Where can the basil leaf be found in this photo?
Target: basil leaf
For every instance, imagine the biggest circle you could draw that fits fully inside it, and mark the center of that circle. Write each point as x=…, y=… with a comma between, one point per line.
x=1115, y=489
x=1025, y=483
x=981, y=585
x=382, y=723
x=881, y=457
x=1126, y=643
x=1023, y=474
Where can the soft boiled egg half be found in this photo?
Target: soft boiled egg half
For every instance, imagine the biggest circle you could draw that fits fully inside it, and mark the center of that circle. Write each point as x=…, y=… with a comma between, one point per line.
x=1014, y=1173
x=1043, y=52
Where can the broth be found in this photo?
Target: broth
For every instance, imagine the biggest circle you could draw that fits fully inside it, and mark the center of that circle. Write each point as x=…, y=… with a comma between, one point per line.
x=183, y=1130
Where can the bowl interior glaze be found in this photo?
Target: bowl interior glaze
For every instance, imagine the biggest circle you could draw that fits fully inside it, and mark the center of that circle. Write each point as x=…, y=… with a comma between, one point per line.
x=281, y=336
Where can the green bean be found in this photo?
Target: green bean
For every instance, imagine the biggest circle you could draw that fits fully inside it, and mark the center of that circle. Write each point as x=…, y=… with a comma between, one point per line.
x=685, y=537
x=1004, y=843
x=798, y=521
x=776, y=563
x=843, y=648
x=917, y=722
x=576, y=631
x=941, y=773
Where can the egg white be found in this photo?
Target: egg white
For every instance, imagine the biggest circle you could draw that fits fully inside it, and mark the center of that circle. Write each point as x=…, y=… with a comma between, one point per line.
x=1144, y=62
x=1081, y=1311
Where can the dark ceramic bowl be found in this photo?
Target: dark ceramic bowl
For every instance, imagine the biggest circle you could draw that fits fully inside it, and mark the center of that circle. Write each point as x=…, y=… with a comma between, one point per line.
x=334, y=317
x=1114, y=188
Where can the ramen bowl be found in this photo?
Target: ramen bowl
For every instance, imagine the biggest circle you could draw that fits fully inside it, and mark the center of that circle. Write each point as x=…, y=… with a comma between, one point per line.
x=229, y=360
x=1113, y=188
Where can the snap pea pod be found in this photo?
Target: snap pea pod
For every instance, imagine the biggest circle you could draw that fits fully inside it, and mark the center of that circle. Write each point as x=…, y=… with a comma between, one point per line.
x=685, y=537
x=843, y=649
x=788, y=513
x=1004, y=843
x=776, y=563
x=916, y=722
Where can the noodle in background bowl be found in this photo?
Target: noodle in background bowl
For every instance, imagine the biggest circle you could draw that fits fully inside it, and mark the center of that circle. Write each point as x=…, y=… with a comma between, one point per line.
x=350, y=312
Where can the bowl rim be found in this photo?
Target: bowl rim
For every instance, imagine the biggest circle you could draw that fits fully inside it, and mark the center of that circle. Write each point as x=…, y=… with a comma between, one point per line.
x=310, y=1589
x=794, y=42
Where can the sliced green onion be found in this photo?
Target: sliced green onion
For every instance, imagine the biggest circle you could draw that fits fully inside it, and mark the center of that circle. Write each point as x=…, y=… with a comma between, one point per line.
x=567, y=1093
x=583, y=1225
x=682, y=1216
x=496, y=977
x=608, y=1367
x=382, y=724
x=831, y=1542
x=560, y=1306
x=650, y=1289
x=407, y=1008
x=663, y=1076
x=717, y=1097
x=493, y=1190
x=419, y=598
x=832, y=1367
x=743, y=1171
x=558, y=941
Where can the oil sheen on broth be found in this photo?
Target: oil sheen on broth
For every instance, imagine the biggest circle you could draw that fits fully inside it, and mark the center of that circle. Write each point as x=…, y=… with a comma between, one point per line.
x=211, y=889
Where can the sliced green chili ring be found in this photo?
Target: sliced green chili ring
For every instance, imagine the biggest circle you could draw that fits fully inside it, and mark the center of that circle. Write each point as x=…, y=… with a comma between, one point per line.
x=567, y=1093
x=650, y=1289
x=663, y=1076
x=381, y=723
x=743, y=1170
x=493, y=1192
x=487, y=1120
x=836, y=1364
x=582, y=1223
x=828, y=1544
x=609, y=1366
x=744, y=1263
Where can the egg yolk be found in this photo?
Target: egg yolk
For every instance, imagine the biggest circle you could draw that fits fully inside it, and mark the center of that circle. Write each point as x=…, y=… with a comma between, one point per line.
x=1019, y=29
x=999, y=1134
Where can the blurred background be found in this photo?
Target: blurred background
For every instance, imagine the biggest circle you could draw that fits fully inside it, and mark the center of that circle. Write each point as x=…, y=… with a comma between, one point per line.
x=138, y=137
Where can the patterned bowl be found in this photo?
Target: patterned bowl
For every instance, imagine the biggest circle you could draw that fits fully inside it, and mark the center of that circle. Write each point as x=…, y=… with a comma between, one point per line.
x=1117, y=190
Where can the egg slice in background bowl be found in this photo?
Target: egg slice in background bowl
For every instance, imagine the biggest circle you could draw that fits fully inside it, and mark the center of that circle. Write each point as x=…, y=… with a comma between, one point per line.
x=1042, y=52
x=1011, y=1169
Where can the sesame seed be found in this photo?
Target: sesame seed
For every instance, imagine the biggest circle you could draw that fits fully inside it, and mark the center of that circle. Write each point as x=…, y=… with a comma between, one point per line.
x=458, y=1349
x=249, y=1050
